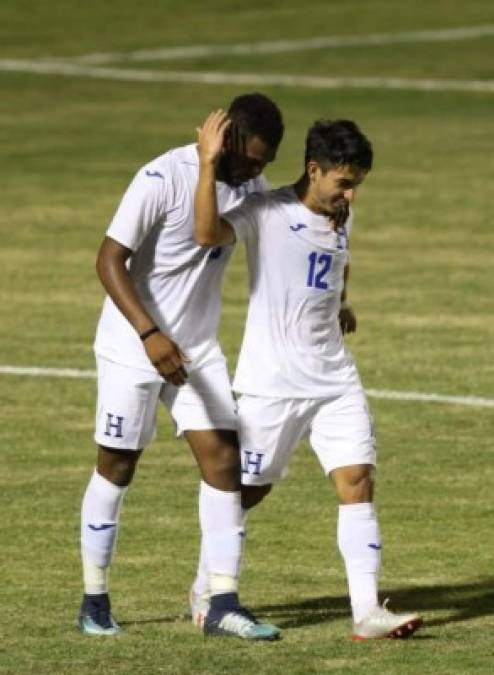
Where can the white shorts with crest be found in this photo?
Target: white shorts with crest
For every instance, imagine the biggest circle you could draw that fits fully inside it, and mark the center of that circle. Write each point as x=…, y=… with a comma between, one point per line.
x=340, y=432
x=128, y=401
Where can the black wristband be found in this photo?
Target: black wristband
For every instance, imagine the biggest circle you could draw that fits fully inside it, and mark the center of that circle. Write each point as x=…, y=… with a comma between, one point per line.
x=148, y=332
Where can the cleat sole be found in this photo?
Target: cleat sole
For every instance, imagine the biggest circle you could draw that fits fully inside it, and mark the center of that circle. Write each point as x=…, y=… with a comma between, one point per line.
x=90, y=628
x=402, y=632
x=406, y=630
x=266, y=633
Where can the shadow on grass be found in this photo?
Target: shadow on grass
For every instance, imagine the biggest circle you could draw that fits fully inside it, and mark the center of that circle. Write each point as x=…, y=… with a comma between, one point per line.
x=166, y=618
x=463, y=602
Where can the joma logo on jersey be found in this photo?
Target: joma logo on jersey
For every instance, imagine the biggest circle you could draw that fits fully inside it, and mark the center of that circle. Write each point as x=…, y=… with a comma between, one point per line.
x=297, y=227
x=252, y=462
x=114, y=424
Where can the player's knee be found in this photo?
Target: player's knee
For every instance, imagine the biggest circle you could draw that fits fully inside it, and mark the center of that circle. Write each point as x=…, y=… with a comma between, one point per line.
x=221, y=468
x=354, y=484
x=218, y=457
x=118, y=466
x=254, y=494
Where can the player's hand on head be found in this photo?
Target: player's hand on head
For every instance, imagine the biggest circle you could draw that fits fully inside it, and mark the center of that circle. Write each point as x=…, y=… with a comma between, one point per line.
x=348, y=320
x=167, y=357
x=211, y=136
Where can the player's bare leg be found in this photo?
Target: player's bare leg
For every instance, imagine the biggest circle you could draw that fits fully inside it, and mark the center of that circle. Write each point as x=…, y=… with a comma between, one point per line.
x=359, y=542
x=117, y=466
x=99, y=524
x=221, y=517
x=252, y=495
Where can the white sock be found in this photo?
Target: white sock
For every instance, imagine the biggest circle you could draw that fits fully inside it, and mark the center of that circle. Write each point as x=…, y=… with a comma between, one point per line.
x=359, y=542
x=220, y=515
x=201, y=583
x=99, y=523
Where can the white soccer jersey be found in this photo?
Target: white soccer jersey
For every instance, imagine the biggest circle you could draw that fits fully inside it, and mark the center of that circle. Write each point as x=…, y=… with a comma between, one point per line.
x=292, y=345
x=178, y=282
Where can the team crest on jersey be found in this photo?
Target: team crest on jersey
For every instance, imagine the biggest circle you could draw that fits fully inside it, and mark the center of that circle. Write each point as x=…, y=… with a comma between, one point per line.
x=342, y=239
x=215, y=253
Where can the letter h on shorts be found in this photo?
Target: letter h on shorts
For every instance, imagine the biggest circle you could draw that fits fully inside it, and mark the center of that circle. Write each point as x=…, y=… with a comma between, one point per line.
x=254, y=463
x=116, y=426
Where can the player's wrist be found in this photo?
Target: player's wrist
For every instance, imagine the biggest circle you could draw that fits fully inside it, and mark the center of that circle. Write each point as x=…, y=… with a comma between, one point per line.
x=345, y=304
x=208, y=162
x=147, y=333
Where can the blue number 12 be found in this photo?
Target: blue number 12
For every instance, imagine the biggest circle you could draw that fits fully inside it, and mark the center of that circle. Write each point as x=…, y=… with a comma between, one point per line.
x=316, y=278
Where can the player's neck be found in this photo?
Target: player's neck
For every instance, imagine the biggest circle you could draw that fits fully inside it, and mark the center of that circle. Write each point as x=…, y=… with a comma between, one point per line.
x=303, y=191
x=301, y=188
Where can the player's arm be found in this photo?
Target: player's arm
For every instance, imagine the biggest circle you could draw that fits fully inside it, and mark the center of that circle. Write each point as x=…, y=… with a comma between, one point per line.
x=348, y=320
x=209, y=228
x=163, y=353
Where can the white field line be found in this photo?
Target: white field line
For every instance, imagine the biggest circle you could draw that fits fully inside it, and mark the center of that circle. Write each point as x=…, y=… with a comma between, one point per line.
x=251, y=79
x=474, y=401
x=48, y=372
x=287, y=46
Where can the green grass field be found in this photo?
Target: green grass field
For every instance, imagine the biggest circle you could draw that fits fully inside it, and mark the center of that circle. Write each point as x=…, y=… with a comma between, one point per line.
x=421, y=285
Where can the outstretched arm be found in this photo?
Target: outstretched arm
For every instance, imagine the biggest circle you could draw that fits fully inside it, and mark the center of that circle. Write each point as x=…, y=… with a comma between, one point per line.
x=209, y=228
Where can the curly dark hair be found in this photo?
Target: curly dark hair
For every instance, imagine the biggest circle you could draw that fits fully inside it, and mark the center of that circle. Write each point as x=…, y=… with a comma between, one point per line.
x=338, y=143
x=257, y=115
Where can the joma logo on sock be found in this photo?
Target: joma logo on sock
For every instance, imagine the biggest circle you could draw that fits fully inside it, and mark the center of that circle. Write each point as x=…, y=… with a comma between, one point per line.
x=103, y=526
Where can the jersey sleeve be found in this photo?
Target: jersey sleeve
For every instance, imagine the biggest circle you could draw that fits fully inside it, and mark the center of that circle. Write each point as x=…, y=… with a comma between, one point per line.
x=144, y=204
x=244, y=218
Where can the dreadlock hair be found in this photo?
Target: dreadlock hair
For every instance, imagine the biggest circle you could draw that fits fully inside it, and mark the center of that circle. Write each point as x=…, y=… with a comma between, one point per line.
x=257, y=115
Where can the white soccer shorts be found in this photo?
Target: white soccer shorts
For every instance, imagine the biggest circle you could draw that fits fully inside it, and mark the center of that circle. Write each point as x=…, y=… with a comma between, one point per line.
x=340, y=432
x=128, y=400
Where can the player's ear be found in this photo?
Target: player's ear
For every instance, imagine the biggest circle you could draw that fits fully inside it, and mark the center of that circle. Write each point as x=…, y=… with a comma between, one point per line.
x=312, y=168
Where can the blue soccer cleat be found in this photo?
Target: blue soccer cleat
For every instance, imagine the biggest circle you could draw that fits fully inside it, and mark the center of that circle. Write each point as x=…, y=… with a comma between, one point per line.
x=95, y=616
x=229, y=618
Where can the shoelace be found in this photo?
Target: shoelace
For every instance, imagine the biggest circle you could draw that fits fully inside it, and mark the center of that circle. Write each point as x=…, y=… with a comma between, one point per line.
x=236, y=623
x=382, y=613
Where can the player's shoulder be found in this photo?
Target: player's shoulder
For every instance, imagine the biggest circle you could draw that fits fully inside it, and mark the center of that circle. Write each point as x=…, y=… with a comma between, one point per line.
x=270, y=198
x=184, y=155
x=165, y=172
x=170, y=161
x=284, y=194
x=279, y=197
